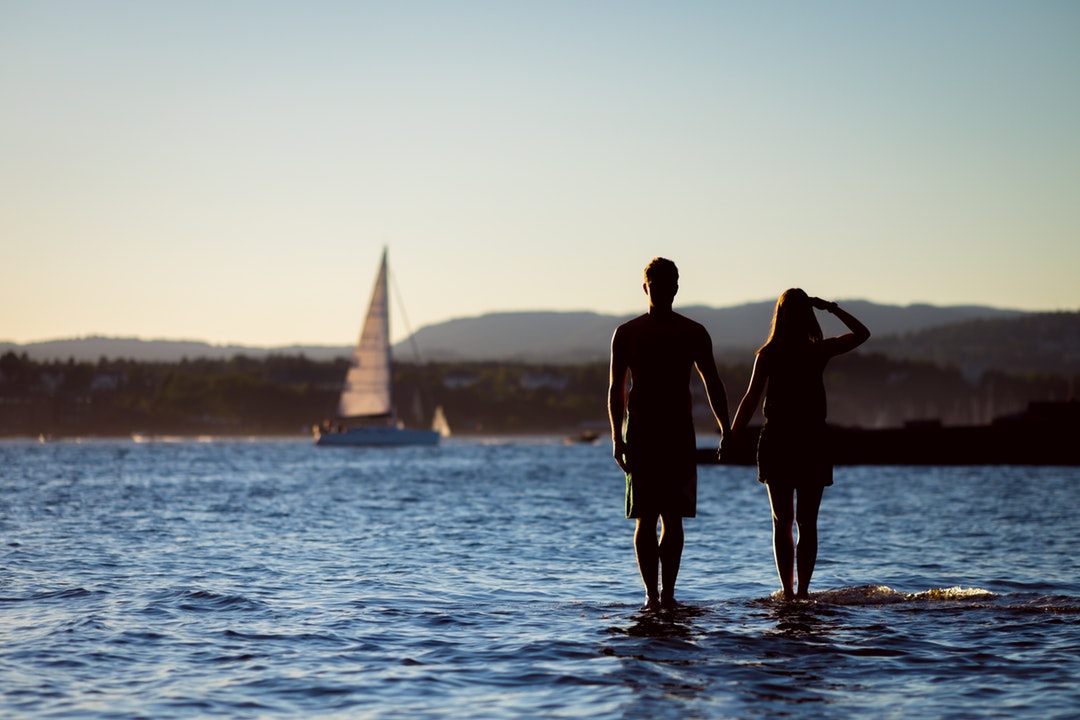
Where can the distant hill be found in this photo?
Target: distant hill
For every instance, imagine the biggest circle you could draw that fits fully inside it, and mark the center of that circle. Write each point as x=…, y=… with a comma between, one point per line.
x=560, y=337
x=972, y=337
x=1039, y=343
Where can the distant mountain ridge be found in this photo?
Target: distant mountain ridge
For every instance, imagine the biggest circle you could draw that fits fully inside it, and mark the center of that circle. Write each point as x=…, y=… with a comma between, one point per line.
x=1035, y=344
x=584, y=336
x=540, y=336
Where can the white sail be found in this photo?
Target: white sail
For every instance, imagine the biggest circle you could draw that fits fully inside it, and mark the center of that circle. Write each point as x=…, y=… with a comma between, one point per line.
x=439, y=423
x=367, y=385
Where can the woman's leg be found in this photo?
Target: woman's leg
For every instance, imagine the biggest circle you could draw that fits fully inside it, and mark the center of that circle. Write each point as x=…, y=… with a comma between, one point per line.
x=782, y=502
x=806, y=512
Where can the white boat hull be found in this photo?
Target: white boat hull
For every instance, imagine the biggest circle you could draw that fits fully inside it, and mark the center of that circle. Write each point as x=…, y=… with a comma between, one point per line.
x=376, y=437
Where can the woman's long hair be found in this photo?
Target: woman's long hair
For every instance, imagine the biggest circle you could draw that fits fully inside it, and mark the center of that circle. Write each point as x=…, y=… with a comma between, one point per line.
x=793, y=322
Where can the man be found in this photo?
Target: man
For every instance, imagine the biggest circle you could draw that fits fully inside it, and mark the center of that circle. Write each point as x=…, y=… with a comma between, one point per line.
x=658, y=351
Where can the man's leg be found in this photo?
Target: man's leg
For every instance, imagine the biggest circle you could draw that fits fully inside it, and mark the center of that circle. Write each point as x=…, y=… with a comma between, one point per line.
x=648, y=558
x=672, y=539
x=782, y=502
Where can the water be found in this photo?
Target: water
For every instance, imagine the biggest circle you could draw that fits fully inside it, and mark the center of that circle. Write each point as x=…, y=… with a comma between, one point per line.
x=271, y=578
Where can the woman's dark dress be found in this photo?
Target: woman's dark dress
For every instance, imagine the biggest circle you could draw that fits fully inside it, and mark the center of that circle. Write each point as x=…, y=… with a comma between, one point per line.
x=793, y=448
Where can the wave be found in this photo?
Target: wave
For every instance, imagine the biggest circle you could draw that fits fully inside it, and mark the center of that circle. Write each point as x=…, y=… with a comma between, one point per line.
x=884, y=595
x=45, y=596
x=199, y=600
x=866, y=595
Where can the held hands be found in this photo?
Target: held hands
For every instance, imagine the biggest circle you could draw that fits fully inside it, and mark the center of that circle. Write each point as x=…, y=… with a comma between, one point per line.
x=820, y=304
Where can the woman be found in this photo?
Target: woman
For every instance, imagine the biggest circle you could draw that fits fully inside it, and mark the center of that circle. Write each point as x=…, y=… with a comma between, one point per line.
x=793, y=458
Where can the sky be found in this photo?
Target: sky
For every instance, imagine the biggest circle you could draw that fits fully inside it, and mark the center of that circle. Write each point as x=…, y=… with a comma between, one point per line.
x=230, y=171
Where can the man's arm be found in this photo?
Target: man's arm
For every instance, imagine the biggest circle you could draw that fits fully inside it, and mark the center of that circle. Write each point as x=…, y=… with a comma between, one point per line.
x=714, y=386
x=617, y=397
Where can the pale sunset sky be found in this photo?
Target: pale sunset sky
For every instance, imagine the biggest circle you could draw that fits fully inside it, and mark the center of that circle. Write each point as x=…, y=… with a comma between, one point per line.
x=230, y=171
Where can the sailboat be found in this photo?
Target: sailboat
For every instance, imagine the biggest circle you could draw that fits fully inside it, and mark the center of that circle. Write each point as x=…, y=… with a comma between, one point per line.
x=365, y=414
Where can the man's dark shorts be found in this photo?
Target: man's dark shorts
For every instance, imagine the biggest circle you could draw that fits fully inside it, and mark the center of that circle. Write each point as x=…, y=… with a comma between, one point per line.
x=663, y=467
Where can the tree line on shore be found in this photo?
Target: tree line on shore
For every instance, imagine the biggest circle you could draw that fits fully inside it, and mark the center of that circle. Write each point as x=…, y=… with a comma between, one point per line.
x=287, y=394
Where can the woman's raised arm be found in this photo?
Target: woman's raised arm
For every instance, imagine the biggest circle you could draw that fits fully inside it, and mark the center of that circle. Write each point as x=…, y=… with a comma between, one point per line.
x=843, y=343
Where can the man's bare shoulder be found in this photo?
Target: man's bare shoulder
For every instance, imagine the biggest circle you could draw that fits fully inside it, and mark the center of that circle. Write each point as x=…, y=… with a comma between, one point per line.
x=691, y=327
x=632, y=326
x=687, y=321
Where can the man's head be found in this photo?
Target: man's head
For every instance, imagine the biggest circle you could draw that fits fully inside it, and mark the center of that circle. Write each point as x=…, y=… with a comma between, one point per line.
x=661, y=282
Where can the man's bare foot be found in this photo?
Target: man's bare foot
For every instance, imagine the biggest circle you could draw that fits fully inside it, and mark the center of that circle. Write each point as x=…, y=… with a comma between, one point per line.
x=651, y=605
x=668, y=603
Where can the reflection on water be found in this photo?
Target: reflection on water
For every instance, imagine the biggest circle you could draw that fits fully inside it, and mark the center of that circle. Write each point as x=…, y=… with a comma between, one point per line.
x=807, y=621
x=676, y=623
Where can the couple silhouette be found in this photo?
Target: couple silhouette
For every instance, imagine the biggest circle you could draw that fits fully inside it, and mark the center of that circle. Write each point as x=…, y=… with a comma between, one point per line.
x=653, y=357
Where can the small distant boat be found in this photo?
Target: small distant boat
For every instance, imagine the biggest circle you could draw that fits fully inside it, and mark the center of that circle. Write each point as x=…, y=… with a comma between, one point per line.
x=365, y=414
x=585, y=437
x=439, y=423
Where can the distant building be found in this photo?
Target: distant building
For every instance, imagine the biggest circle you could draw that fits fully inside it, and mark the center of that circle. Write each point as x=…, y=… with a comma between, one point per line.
x=108, y=382
x=536, y=381
x=51, y=380
x=459, y=380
